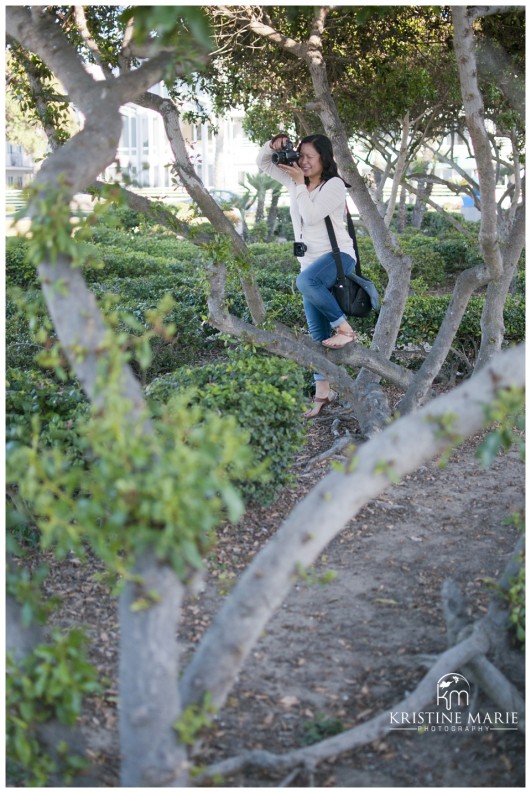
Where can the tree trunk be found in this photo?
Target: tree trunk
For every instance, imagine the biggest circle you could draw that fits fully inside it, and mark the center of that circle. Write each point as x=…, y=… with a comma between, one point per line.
x=260, y=206
x=148, y=656
x=400, y=170
x=474, y=113
x=402, y=211
x=380, y=179
x=148, y=672
x=492, y=326
x=272, y=215
x=419, y=209
x=466, y=284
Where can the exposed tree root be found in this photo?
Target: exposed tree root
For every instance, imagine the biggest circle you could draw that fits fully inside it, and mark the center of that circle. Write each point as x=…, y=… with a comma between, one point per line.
x=337, y=447
x=476, y=644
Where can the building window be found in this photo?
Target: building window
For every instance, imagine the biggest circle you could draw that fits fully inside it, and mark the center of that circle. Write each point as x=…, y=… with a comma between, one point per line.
x=145, y=136
x=237, y=130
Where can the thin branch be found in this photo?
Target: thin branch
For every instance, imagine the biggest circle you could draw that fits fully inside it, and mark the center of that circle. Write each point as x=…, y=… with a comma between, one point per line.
x=456, y=167
x=266, y=31
x=464, y=43
x=86, y=35
x=37, y=33
x=337, y=447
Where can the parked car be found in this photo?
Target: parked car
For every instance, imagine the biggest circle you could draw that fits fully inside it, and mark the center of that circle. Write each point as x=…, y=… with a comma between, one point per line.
x=223, y=197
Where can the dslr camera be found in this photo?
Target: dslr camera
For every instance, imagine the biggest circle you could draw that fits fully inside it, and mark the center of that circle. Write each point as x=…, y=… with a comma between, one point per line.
x=299, y=249
x=287, y=156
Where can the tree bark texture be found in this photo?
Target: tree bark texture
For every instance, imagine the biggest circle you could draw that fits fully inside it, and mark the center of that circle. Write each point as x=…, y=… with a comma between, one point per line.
x=424, y=190
x=492, y=326
x=463, y=18
x=148, y=673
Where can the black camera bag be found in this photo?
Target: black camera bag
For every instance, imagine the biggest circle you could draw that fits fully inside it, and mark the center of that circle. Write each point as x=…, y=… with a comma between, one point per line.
x=355, y=295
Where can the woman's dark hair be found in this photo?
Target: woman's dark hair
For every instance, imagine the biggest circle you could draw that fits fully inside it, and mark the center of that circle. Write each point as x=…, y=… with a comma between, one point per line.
x=323, y=146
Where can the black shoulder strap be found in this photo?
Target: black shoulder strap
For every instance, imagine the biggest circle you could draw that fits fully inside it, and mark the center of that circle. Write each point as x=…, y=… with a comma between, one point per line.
x=335, y=249
x=352, y=232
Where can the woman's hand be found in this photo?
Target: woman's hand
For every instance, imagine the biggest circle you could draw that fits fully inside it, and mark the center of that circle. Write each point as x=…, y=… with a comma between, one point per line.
x=279, y=141
x=295, y=171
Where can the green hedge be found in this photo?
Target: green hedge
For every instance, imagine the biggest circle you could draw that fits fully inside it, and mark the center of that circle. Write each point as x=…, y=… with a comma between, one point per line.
x=141, y=267
x=19, y=272
x=20, y=345
x=159, y=243
x=264, y=394
x=423, y=316
x=31, y=394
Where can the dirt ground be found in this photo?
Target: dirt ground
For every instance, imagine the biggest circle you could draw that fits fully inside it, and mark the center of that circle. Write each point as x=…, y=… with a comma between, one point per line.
x=338, y=654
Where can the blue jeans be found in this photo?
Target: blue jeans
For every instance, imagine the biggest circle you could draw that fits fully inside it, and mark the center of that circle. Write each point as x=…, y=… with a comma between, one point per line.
x=320, y=306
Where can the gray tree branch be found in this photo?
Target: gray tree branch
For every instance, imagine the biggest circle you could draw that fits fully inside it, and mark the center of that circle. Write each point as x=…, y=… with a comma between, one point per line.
x=204, y=200
x=397, y=450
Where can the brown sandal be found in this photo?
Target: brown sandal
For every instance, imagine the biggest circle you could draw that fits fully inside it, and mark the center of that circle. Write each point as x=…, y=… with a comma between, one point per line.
x=350, y=334
x=320, y=402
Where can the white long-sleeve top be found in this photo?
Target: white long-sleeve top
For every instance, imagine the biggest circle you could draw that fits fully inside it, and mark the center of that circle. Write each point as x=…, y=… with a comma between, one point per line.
x=308, y=210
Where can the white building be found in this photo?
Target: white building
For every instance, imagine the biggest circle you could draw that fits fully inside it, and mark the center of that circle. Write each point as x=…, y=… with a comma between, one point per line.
x=19, y=166
x=221, y=160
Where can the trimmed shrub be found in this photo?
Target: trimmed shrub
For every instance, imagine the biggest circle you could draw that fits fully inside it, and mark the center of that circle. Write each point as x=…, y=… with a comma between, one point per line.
x=423, y=316
x=20, y=346
x=120, y=263
x=286, y=308
x=26, y=316
x=434, y=223
x=514, y=319
x=19, y=272
x=264, y=394
x=370, y=266
x=428, y=263
x=31, y=394
x=457, y=253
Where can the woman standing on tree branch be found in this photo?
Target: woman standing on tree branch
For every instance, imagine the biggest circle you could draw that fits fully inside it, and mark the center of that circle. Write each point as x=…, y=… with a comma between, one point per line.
x=315, y=191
